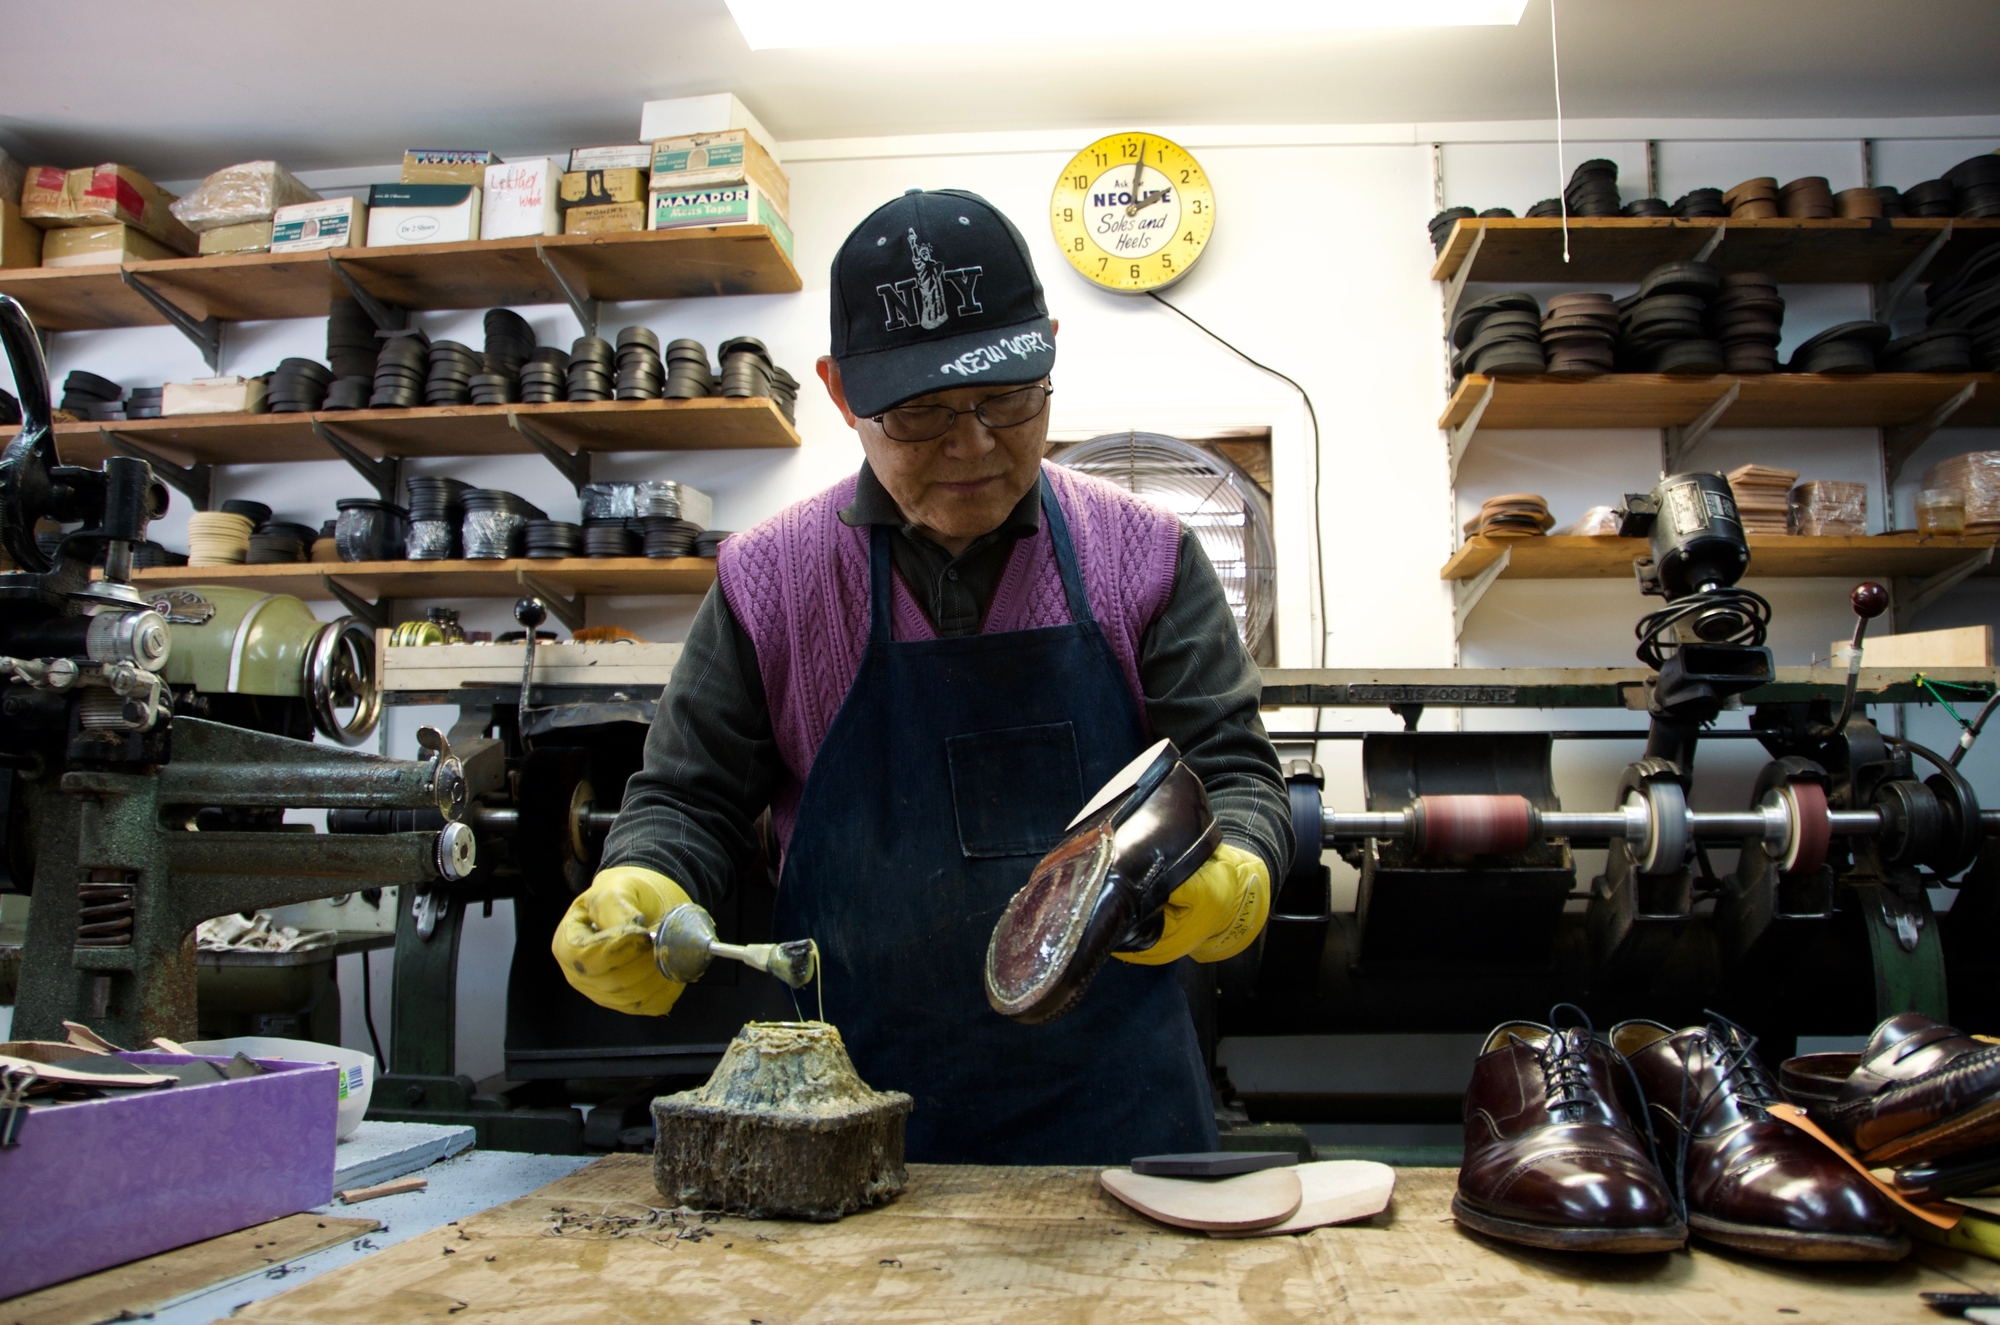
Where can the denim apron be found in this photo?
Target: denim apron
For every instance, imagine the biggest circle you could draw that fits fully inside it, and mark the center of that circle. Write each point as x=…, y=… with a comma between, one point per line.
x=951, y=768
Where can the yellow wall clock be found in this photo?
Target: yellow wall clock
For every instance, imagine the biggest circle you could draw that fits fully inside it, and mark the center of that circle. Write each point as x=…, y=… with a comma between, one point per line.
x=1132, y=212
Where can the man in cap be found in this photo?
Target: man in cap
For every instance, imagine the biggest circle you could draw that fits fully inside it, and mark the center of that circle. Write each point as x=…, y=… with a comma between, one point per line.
x=923, y=672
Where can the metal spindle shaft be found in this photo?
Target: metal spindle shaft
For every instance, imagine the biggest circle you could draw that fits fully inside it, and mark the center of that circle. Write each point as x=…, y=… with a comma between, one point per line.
x=1605, y=825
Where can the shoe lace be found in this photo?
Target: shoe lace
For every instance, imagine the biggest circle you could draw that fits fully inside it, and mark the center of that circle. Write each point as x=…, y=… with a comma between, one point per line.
x=1562, y=1059
x=1739, y=1074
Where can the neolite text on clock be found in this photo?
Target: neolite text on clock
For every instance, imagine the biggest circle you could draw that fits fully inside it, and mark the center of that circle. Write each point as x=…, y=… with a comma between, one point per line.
x=1124, y=198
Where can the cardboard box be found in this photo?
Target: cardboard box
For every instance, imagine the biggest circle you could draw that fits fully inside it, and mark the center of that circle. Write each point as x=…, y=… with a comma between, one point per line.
x=422, y=214
x=141, y=1171
x=716, y=113
x=20, y=243
x=621, y=157
x=520, y=199
x=107, y=245
x=595, y=188
x=606, y=218
x=704, y=160
x=109, y=194
x=307, y=227
x=213, y=395
x=740, y=204
x=446, y=165
x=246, y=237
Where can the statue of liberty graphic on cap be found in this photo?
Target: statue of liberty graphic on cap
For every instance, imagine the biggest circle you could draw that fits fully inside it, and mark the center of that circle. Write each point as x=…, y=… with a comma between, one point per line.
x=930, y=284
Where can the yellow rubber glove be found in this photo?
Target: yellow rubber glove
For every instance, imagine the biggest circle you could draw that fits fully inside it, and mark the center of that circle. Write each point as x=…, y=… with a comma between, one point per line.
x=1215, y=914
x=605, y=941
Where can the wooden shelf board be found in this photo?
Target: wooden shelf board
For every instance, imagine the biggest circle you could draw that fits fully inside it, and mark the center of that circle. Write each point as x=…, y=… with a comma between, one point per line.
x=451, y=579
x=713, y=424
x=1566, y=557
x=1521, y=250
x=1775, y=400
x=244, y=287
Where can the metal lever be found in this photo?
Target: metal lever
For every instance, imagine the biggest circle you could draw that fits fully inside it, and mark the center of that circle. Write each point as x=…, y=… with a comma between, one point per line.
x=1868, y=601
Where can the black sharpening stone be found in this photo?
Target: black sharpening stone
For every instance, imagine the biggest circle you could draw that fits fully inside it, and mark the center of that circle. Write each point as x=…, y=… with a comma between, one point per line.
x=1213, y=1163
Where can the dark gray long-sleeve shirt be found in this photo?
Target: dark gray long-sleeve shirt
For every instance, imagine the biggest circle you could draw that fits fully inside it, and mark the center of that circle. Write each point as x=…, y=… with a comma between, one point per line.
x=712, y=764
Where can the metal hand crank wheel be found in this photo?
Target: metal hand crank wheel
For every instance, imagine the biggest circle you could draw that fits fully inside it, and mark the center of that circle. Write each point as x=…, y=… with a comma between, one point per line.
x=340, y=670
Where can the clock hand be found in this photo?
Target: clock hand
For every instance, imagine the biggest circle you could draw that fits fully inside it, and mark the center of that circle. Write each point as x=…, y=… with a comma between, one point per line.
x=1138, y=170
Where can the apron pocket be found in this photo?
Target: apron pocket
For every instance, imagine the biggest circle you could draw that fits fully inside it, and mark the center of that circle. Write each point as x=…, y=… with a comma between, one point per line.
x=1014, y=789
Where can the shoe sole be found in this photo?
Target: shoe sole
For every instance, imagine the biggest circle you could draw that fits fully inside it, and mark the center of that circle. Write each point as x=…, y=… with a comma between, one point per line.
x=1633, y=1241
x=1961, y=1131
x=1790, y=1245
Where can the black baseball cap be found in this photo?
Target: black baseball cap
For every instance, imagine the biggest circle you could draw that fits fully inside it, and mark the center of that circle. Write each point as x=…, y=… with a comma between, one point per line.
x=936, y=290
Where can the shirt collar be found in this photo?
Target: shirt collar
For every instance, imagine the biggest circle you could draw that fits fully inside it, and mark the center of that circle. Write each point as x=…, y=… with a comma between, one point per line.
x=873, y=505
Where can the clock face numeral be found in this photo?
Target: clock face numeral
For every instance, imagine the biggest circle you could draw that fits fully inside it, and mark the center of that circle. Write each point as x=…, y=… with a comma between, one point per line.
x=1132, y=212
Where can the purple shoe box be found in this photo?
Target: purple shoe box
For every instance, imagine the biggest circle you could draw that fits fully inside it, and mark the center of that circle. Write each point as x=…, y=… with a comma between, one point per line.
x=103, y=1182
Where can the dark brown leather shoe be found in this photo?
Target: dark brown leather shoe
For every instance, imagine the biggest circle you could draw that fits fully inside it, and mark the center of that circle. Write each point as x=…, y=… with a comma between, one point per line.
x=1551, y=1160
x=1744, y=1178
x=1918, y=1091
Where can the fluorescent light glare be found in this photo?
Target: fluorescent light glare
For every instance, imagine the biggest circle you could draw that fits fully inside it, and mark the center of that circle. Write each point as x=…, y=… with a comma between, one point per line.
x=780, y=24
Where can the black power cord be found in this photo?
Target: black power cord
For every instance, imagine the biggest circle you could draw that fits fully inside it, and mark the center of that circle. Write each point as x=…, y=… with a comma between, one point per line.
x=368, y=1008
x=1319, y=552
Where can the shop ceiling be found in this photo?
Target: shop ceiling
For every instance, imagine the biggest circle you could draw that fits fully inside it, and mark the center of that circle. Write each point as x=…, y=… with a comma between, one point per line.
x=176, y=90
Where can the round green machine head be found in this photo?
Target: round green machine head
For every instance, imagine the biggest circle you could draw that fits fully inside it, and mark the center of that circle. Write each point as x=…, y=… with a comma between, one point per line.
x=237, y=641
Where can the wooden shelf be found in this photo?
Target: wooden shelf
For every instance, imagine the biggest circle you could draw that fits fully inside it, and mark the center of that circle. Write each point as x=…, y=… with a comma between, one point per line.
x=1576, y=687
x=451, y=579
x=619, y=268
x=1566, y=557
x=712, y=424
x=1775, y=400
x=1523, y=250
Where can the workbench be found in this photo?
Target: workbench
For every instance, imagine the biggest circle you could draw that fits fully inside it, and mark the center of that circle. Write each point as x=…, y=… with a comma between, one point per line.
x=1048, y=1245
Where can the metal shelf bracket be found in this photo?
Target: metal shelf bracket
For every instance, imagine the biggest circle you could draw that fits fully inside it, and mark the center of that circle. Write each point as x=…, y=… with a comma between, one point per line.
x=193, y=480
x=376, y=614
x=206, y=333
x=1901, y=442
x=1889, y=295
x=575, y=468
x=1461, y=435
x=1914, y=595
x=582, y=305
x=1466, y=594
x=1677, y=441
x=386, y=317
x=1707, y=250
x=383, y=474
x=569, y=611
x=1455, y=287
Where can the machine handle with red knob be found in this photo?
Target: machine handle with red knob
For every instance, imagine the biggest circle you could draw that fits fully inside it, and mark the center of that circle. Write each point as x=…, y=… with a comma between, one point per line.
x=1869, y=600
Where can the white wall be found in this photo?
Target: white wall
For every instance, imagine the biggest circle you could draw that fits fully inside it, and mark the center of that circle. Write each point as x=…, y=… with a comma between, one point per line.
x=1319, y=267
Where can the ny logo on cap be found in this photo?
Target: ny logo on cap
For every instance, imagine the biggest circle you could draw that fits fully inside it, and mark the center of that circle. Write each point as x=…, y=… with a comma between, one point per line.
x=919, y=300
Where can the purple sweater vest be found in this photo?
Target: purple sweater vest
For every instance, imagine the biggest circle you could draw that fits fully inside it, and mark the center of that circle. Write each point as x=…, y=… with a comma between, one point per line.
x=798, y=584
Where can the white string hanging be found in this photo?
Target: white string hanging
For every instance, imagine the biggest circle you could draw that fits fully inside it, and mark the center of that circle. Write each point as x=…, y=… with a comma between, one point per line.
x=1562, y=171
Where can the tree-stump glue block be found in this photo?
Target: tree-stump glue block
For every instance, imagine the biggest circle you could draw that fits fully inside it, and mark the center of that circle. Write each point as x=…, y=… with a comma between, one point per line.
x=784, y=1129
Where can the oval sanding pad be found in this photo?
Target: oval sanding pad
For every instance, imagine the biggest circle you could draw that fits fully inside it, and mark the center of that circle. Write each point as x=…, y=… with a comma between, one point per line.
x=1333, y=1191
x=1247, y=1201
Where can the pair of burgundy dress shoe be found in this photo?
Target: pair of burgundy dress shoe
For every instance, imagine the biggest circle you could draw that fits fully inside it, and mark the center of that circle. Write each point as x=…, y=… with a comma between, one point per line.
x=1630, y=1141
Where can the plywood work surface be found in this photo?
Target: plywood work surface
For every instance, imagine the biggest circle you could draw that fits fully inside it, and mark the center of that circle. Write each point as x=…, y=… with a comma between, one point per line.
x=1049, y=1247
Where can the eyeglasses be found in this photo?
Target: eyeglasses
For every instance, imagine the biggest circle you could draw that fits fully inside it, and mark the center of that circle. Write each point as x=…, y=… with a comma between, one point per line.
x=927, y=423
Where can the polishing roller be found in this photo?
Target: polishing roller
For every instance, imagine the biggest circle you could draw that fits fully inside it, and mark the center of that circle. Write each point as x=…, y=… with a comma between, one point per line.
x=1792, y=821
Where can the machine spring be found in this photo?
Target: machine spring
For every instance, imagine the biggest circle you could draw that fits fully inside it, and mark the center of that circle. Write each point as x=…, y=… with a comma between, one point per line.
x=104, y=914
